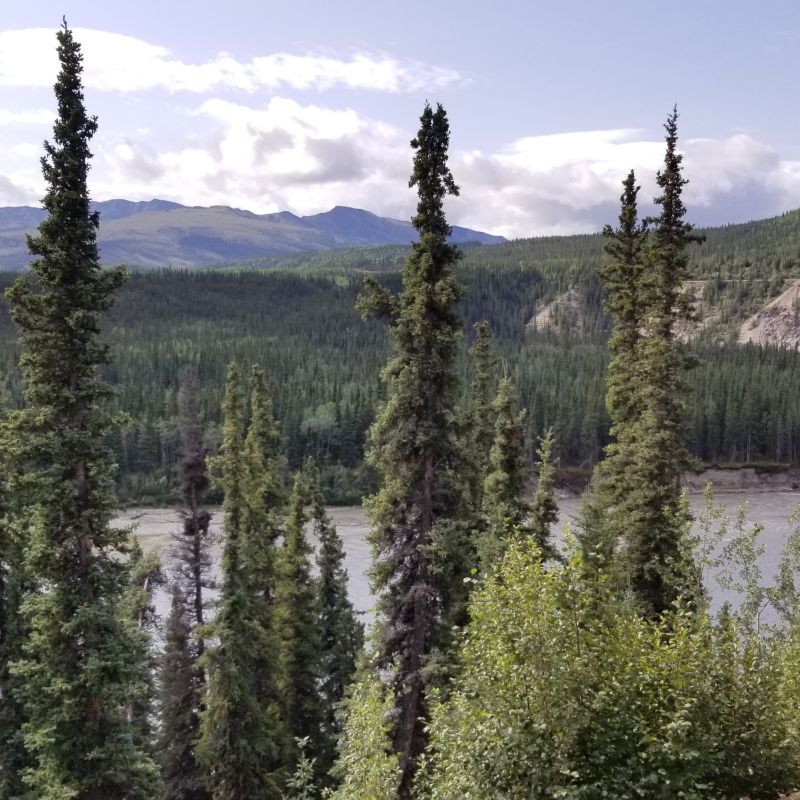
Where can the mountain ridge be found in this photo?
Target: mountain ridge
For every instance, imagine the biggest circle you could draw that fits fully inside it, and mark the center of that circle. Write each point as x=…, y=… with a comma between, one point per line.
x=161, y=233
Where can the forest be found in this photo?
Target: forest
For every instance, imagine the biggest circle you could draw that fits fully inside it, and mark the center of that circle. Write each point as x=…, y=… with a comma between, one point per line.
x=323, y=361
x=499, y=663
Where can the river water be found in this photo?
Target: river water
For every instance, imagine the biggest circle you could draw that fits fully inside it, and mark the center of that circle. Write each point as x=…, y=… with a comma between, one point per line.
x=773, y=510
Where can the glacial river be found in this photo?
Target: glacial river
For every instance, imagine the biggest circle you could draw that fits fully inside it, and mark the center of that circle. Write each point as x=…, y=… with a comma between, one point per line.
x=772, y=510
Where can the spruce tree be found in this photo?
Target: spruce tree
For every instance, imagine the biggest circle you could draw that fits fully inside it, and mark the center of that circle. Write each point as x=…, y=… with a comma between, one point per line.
x=637, y=498
x=182, y=678
x=81, y=660
x=414, y=446
x=264, y=465
x=604, y=518
x=544, y=508
x=480, y=425
x=179, y=704
x=14, y=759
x=190, y=556
x=341, y=635
x=298, y=627
x=657, y=519
x=505, y=509
x=238, y=744
x=146, y=577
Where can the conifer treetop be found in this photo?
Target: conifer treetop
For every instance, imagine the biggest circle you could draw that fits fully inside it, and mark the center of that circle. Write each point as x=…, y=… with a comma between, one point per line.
x=430, y=173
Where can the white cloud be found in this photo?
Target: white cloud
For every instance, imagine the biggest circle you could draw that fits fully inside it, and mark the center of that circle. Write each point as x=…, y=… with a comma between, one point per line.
x=115, y=62
x=570, y=183
x=287, y=155
x=28, y=116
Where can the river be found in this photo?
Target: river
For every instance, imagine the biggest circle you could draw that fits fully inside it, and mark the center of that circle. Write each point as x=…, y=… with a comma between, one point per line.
x=772, y=510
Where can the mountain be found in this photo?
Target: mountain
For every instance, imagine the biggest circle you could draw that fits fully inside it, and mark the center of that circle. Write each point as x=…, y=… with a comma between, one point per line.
x=158, y=233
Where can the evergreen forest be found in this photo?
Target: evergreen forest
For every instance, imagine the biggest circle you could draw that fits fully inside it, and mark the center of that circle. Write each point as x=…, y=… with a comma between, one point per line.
x=441, y=384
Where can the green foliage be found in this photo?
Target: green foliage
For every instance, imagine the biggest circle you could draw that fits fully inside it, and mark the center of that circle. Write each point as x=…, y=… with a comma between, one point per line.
x=298, y=629
x=82, y=660
x=637, y=499
x=180, y=688
x=182, y=679
x=367, y=768
x=566, y=692
x=340, y=634
x=504, y=504
x=146, y=577
x=415, y=449
x=241, y=743
x=480, y=428
x=544, y=508
x=301, y=785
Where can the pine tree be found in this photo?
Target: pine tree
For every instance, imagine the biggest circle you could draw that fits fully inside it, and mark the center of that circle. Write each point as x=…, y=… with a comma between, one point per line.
x=297, y=626
x=341, y=635
x=657, y=519
x=480, y=427
x=190, y=557
x=505, y=509
x=415, y=448
x=637, y=497
x=238, y=744
x=14, y=759
x=180, y=691
x=544, y=508
x=146, y=577
x=182, y=678
x=264, y=465
x=604, y=519
x=80, y=662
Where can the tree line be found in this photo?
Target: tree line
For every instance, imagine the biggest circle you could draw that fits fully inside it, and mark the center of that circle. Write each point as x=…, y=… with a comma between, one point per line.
x=323, y=362
x=499, y=665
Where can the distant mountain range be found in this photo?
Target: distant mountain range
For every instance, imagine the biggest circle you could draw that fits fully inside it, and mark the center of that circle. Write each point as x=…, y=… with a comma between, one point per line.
x=159, y=233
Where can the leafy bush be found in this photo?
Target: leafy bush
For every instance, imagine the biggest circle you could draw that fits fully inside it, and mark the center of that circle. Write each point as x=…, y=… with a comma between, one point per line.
x=566, y=693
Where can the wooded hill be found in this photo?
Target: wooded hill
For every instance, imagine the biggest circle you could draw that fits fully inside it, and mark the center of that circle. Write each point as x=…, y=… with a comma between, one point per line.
x=296, y=317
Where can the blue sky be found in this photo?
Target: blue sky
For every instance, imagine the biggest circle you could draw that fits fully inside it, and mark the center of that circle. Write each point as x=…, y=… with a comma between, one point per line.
x=306, y=105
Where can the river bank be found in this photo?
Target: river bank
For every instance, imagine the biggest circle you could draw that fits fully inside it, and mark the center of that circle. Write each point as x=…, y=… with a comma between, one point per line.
x=772, y=510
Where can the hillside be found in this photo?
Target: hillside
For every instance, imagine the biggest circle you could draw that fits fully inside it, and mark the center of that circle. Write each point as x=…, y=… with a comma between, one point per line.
x=159, y=233
x=738, y=271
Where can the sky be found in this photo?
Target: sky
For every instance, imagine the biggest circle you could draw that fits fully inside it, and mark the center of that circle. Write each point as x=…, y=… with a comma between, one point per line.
x=305, y=105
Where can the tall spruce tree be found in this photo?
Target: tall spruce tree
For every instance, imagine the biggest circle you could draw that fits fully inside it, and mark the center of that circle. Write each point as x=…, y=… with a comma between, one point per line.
x=414, y=446
x=341, y=635
x=146, y=577
x=81, y=661
x=239, y=745
x=480, y=427
x=544, y=508
x=505, y=508
x=656, y=515
x=14, y=759
x=637, y=498
x=190, y=556
x=604, y=516
x=298, y=627
x=180, y=693
x=264, y=466
x=182, y=678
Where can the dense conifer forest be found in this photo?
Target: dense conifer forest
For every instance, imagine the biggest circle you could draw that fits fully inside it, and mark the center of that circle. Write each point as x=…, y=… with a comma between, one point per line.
x=501, y=663
x=323, y=362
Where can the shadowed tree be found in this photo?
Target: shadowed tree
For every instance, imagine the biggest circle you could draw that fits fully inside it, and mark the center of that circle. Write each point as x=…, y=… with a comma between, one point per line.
x=182, y=679
x=414, y=446
x=81, y=659
x=240, y=743
x=298, y=629
x=341, y=635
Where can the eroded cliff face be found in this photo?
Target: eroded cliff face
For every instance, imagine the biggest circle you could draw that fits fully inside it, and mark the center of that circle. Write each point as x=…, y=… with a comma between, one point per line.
x=778, y=323
x=745, y=479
